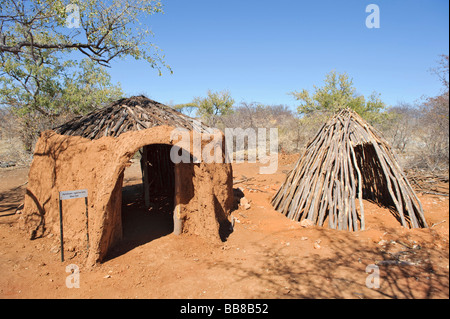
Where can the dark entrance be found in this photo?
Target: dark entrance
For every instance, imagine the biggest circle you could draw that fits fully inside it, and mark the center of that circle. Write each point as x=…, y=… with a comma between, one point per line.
x=158, y=177
x=147, y=200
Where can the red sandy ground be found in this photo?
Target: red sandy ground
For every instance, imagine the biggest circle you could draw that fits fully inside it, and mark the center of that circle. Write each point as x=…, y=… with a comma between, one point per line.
x=267, y=255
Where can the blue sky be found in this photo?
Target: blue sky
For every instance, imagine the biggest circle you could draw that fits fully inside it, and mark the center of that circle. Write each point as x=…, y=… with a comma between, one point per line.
x=260, y=50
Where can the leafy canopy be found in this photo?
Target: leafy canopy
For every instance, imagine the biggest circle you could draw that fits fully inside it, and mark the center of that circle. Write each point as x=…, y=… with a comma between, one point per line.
x=336, y=93
x=211, y=107
x=53, y=87
x=102, y=30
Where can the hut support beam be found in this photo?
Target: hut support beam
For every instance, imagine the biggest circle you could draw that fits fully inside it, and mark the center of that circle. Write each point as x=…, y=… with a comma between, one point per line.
x=177, y=221
x=144, y=169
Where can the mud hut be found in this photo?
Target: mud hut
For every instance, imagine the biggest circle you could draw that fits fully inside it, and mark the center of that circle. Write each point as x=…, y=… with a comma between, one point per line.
x=346, y=162
x=92, y=152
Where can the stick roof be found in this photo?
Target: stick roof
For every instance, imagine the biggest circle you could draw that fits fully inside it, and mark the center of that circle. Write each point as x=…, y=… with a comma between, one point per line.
x=128, y=114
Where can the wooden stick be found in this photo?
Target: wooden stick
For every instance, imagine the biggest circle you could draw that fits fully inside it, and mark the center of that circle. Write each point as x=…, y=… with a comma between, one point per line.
x=177, y=221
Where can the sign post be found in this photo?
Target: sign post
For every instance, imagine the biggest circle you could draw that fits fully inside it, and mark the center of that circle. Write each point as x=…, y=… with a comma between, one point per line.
x=71, y=195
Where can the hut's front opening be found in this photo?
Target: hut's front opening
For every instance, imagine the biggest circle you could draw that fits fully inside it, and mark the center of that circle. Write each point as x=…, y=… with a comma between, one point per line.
x=158, y=177
x=374, y=183
x=375, y=186
x=147, y=199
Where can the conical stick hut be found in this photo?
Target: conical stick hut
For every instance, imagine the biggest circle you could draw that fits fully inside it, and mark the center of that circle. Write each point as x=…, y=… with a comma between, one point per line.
x=346, y=162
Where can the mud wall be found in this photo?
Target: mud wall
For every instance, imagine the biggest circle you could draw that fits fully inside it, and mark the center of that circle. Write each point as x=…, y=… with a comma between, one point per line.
x=62, y=163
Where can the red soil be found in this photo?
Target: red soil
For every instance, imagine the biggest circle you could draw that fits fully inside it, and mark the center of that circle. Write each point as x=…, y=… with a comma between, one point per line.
x=266, y=256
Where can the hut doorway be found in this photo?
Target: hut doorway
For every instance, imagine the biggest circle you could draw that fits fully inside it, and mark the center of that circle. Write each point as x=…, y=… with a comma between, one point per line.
x=148, y=203
x=158, y=177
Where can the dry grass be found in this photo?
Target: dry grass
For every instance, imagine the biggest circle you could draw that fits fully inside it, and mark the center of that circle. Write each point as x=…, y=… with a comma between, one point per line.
x=11, y=150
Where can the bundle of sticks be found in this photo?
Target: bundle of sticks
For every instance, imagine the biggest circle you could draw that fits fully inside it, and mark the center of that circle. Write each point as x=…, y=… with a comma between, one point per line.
x=131, y=114
x=435, y=183
x=347, y=161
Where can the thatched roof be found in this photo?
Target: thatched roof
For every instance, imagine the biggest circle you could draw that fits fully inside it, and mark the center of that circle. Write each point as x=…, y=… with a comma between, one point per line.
x=346, y=160
x=130, y=114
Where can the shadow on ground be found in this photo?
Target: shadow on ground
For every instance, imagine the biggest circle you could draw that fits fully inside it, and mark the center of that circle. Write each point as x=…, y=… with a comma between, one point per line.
x=141, y=225
x=339, y=270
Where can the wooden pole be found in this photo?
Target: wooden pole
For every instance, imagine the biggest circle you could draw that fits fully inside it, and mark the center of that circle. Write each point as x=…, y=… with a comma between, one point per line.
x=177, y=221
x=61, y=237
x=144, y=166
x=87, y=224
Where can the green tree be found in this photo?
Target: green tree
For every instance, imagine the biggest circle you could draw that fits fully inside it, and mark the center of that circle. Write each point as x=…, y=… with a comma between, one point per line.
x=336, y=93
x=88, y=88
x=211, y=107
x=102, y=30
